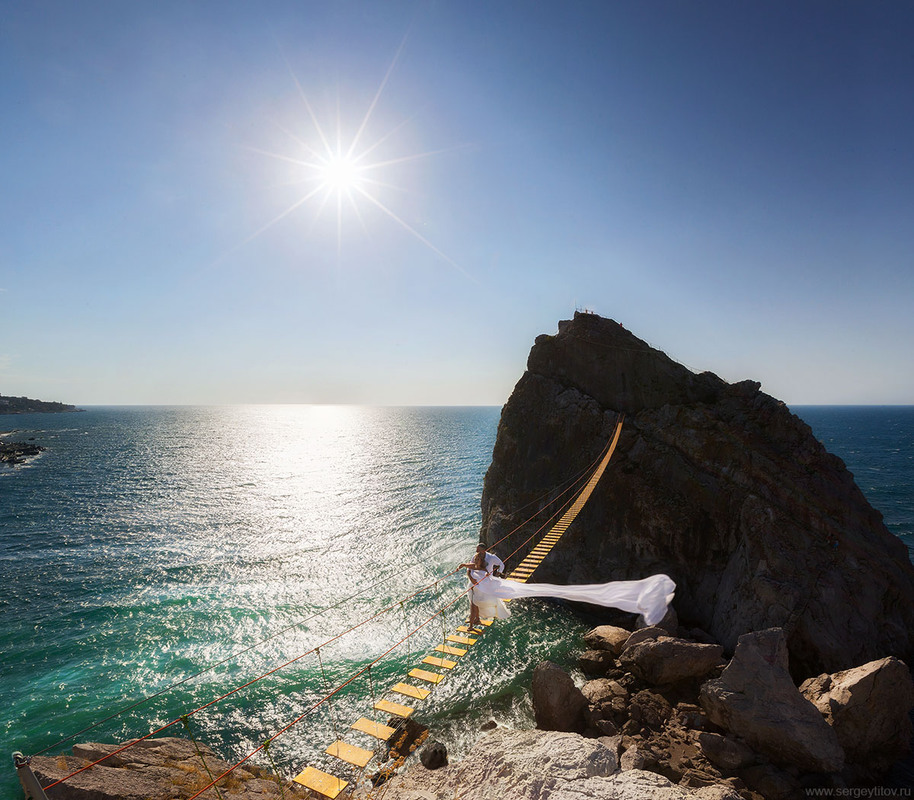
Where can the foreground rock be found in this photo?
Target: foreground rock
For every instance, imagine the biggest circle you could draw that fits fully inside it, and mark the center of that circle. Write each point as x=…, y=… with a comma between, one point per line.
x=718, y=485
x=868, y=708
x=558, y=705
x=756, y=734
x=540, y=765
x=756, y=699
x=154, y=769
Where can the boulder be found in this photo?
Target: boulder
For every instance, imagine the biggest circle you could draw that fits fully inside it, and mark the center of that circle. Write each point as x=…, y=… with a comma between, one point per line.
x=433, y=755
x=558, y=705
x=725, y=752
x=153, y=769
x=633, y=758
x=603, y=690
x=868, y=707
x=756, y=699
x=650, y=709
x=665, y=660
x=596, y=662
x=717, y=485
x=607, y=637
x=643, y=635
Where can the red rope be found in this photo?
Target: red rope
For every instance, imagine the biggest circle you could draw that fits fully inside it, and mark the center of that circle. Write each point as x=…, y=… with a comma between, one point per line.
x=219, y=699
x=245, y=685
x=327, y=697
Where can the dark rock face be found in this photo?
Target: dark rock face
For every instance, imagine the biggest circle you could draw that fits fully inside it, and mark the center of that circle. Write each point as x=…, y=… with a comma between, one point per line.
x=558, y=705
x=718, y=485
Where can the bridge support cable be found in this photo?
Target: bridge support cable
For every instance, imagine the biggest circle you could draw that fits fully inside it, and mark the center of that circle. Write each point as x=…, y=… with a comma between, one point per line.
x=465, y=636
x=522, y=572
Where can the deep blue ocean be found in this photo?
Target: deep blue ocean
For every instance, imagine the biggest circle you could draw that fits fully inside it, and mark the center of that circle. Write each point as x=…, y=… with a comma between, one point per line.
x=147, y=544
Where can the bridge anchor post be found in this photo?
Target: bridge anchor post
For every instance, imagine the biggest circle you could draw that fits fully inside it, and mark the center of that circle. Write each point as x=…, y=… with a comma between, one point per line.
x=30, y=785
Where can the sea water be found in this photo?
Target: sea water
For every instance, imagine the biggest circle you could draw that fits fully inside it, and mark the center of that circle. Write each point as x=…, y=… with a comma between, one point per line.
x=179, y=553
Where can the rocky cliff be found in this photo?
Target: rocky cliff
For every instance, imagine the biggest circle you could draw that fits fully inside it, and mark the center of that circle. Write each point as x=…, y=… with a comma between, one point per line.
x=719, y=485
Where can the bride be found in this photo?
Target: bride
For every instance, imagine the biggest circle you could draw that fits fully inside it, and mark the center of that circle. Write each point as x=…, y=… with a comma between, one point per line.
x=648, y=597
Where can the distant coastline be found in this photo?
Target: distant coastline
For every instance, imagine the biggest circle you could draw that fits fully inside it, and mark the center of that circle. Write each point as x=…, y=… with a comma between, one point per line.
x=25, y=405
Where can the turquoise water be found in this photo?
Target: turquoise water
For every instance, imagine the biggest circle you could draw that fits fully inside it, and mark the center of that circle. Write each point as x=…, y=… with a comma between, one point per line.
x=146, y=544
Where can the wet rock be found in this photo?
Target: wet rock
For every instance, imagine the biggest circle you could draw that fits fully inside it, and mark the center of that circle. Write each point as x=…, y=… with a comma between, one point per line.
x=756, y=699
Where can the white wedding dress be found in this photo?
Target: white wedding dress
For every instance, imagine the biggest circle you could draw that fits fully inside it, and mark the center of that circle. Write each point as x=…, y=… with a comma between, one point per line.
x=648, y=597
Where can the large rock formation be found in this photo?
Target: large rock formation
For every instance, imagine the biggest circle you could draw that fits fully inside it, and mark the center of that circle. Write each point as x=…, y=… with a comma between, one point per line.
x=716, y=484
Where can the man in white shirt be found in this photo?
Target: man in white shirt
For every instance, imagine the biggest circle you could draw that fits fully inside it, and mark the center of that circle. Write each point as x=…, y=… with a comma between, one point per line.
x=494, y=565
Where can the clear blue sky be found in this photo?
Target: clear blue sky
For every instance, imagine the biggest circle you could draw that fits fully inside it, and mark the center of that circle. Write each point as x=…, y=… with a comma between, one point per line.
x=733, y=181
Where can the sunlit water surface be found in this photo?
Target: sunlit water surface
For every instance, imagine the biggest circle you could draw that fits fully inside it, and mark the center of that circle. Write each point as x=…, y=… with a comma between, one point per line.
x=146, y=544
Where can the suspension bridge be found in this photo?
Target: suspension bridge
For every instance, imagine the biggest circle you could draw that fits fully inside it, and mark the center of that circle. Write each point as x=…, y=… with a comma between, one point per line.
x=397, y=702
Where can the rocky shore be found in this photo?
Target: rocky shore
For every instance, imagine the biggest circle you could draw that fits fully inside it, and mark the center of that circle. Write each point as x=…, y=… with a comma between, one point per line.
x=13, y=453
x=659, y=716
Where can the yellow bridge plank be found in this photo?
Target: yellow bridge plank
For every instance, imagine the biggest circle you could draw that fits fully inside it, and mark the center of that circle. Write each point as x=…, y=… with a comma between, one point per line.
x=376, y=729
x=461, y=639
x=426, y=675
x=327, y=785
x=396, y=709
x=439, y=662
x=451, y=651
x=350, y=753
x=411, y=691
x=465, y=629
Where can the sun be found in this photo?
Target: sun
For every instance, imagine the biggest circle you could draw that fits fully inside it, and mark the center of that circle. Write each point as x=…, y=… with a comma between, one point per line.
x=342, y=174
x=342, y=171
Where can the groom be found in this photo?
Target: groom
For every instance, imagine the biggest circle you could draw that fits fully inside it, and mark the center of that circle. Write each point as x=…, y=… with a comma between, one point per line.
x=494, y=565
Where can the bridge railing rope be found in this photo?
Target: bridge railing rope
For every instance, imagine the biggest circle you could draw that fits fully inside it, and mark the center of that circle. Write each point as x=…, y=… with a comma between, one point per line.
x=453, y=645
